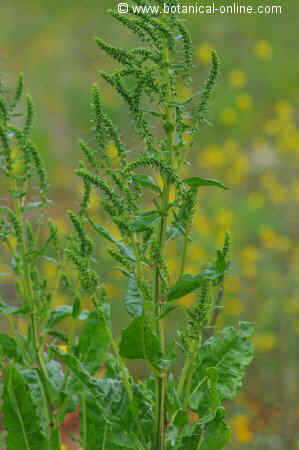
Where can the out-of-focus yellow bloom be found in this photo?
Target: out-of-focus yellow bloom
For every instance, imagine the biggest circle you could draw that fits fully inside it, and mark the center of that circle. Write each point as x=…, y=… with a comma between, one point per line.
x=263, y=49
x=228, y=116
x=187, y=301
x=201, y=224
x=256, y=200
x=113, y=290
x=59, y=300
x=196, y=254
x=212, y=157
x=244, y=101
x=224, y=218
x=264, y=342
x=249, y=270
x=237, y=78
x=249, y=254
x=111, y=150
x=268, y=237
x=203, y=53
x=292, y=306
x=241, y=428
x=284, y=110
x=272, y=240
x=63, y=447
x=234, y=306
x=231, y=146
x=63, y=347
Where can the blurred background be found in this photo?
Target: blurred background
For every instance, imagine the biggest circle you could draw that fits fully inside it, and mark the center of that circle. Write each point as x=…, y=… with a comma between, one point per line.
x=252, y=146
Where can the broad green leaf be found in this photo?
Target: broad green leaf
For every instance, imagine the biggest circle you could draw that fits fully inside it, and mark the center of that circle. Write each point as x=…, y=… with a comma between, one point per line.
x=78, y=370
x=196, y=182
x=9, y=348
x=138, y=341
x=94, y=341
x=230, y=353
x=61, y=312
x=133, y=299
x=24, y=411
x=145, y=221
x=147, y=181
x=216, y=434
x=188, y=283
x=127, y=251
x=206, y=401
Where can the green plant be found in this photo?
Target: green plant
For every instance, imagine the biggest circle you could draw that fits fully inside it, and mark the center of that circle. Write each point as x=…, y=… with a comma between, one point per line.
x=42, y=382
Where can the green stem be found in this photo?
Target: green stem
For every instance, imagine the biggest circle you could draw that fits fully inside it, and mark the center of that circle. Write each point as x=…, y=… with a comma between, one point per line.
x=127, y=385
x=170, y=130
x=29, y=299
x=185, y=381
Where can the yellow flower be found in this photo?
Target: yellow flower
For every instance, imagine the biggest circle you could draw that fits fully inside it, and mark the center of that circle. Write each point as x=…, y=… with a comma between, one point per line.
x=228, y=116
x=113, y=290
x=244, y=101
x=284, y=110
x=63, y=347
x=225, y=218
x=264, y=342
x=263, y=49
x=237, y=78
x=203, y=53
x=268, y=237
x=241, y=431
x=234, y=306
x=187, y=301
x=250, y=254
x=111, y=151
x=201, y=224
x=212, y=157
x=249, y=270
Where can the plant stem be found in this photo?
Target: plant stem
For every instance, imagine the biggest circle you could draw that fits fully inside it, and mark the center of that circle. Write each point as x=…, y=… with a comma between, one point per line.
x=127, y=385
x=29, y=299
x=170, y=130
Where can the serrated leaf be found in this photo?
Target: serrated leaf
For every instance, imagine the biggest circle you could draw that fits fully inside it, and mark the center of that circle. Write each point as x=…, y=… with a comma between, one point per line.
x=145, y=221
x=94, y=341
x=133, y=299
x=196, y=182
x=139, y=342
x=23, y=409
x=230, y=353
x=216, y=434
x=206, y=401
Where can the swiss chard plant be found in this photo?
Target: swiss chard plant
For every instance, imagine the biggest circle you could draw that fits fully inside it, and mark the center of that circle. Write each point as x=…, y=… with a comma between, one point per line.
x=49, y=371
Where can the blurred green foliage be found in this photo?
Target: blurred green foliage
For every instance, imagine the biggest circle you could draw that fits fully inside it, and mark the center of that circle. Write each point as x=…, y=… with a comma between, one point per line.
x=253, y=146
